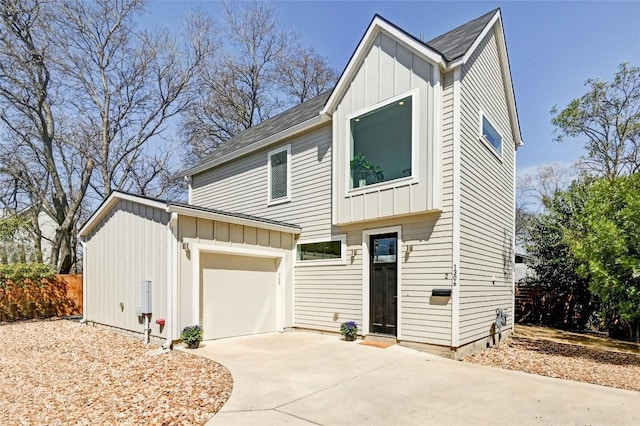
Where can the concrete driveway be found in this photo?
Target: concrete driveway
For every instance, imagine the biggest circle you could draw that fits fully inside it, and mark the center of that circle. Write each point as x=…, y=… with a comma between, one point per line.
x=299, y=378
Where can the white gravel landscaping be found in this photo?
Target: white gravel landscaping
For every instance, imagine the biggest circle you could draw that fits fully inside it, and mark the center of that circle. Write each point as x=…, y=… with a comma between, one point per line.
x=60, y=372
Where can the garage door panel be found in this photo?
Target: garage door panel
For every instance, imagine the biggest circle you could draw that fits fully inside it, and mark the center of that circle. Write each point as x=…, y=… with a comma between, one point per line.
x=237, y=301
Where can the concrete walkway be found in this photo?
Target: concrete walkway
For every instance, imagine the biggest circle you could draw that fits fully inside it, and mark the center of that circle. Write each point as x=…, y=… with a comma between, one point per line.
x=300, y=378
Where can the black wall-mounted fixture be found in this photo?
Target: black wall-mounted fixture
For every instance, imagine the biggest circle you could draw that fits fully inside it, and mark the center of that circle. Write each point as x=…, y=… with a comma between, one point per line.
x=441, y=292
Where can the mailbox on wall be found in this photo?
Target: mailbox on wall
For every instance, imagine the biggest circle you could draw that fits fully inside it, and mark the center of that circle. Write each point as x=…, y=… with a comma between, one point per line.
x=145, y=297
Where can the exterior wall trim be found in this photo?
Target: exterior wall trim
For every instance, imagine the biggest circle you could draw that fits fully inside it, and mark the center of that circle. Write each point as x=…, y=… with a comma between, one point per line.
x=230, y=219
x=436, y=151
x=366, y=233
x=455, y=267
x=172, y=278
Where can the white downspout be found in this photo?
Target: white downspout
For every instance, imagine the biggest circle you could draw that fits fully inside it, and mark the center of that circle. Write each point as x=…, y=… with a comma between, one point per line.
x=172, y=274
x=83, y=243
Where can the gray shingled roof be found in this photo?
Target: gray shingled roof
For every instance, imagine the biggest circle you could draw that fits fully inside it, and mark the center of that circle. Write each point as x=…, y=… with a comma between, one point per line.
x=196, y=208
x=451, y=45
x=289, y=118
x=230, y=214
x=455, y=43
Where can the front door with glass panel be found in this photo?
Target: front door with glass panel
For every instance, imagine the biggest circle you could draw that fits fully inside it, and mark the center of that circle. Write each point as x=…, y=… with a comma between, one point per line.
x=383, y=283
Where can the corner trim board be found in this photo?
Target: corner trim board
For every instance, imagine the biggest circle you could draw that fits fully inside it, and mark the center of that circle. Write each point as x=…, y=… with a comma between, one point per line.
x=455, y=267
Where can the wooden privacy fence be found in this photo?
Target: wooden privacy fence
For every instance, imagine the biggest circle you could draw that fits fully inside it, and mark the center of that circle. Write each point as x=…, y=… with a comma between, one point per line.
x=58, y=296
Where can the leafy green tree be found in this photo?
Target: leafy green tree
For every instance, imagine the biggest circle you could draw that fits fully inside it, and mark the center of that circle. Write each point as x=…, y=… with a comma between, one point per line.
x=606, y=240
x=607, y=119
x=567, y=301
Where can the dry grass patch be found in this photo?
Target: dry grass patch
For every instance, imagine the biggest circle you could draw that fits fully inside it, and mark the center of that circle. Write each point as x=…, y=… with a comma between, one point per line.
x=565, y=355
x=60, y=372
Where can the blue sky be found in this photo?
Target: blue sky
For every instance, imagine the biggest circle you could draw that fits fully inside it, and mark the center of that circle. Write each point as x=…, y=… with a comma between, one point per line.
x=554, y=47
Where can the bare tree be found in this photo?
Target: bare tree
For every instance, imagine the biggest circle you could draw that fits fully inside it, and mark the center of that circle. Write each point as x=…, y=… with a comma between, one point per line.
x=29, y=95
x=537, y=189
x=607, y=118
x=303, y=74
x=84, y=98
x=261, y=71
x=128, y=83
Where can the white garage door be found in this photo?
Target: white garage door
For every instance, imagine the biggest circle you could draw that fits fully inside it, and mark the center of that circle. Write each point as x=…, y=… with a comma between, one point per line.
x=238, y=295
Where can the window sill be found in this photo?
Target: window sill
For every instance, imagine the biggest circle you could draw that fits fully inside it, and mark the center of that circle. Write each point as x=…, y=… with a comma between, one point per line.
x=278, y=201
x=332, y=262
x=491, y=148
x=405, y=181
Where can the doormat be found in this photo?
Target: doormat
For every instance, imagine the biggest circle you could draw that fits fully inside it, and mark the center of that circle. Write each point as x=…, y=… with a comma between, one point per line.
x=381, y=345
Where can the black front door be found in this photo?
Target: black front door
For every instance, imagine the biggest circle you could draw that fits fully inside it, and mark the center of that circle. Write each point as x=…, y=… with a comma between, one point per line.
x=383, y=251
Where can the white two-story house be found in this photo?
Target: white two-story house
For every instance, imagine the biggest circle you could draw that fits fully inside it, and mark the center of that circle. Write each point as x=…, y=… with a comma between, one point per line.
x=388, y=201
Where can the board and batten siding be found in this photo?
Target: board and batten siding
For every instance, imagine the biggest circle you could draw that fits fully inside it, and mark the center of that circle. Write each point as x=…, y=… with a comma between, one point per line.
x=210, y=232
x=487, y=197
x=389, y=69
x=128, y=246
x=241, y=186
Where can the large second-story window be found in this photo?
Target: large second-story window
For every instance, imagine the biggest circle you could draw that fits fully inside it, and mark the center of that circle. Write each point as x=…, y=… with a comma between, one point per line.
x=381, y=143
x=280, y=175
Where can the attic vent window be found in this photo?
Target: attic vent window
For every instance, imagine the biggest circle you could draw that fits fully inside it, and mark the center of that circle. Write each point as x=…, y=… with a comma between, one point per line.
x=490, y=135
x=280, y=175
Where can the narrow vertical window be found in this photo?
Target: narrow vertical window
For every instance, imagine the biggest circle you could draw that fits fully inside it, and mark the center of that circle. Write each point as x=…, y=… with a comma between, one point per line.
x=490, y=135
x=280, y=175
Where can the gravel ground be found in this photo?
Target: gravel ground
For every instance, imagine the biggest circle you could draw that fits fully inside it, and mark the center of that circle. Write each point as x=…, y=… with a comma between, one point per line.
x=565, y=361
x=60, y=372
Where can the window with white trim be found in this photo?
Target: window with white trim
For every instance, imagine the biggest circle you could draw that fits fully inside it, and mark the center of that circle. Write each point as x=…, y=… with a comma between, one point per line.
x=324, y=251
x=280, y=175
x=490, y=135
x=382, y=143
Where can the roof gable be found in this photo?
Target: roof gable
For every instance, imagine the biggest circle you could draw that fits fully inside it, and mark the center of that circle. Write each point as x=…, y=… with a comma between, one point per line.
x=185, y=209
x=456, y=43
x=441, y=51
x=447, y=51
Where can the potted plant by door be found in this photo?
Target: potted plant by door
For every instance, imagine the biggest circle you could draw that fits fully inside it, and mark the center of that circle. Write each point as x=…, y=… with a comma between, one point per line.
x=362, y=170
x=192, y=336
x=349, y=330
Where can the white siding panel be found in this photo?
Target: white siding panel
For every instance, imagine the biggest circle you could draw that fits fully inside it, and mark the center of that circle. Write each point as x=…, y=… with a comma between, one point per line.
x=486, y=217
x=241, y=186
x=127, y=247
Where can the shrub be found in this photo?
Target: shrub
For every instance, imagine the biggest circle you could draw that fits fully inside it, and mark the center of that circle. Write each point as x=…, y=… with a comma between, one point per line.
x=349, y=329
x=191, y=334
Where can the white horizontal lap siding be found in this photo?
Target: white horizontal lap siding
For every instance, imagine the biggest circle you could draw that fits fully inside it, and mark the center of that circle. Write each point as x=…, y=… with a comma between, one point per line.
x=486, y=200
x=424, y=269
x=389, y=69
x=241, y=186
x=321, y=291
x=127, y=247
